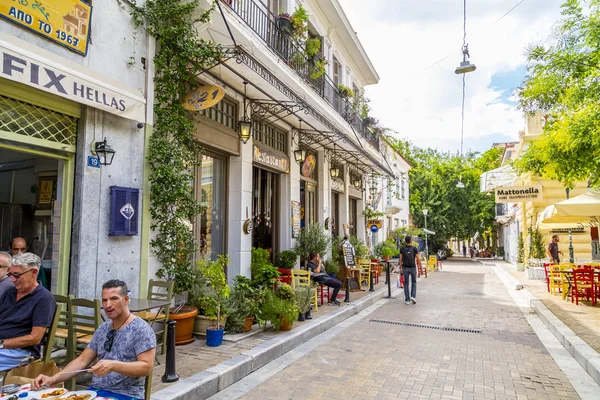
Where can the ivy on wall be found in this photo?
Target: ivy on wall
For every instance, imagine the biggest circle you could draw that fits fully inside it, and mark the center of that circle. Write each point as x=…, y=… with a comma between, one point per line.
x=180, y=57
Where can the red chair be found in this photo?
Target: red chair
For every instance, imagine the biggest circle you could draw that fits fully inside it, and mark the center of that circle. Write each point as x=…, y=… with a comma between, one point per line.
x=547, y=275
x=583, y=285
x=321, y=292
x=285, y=276
x=376, y=267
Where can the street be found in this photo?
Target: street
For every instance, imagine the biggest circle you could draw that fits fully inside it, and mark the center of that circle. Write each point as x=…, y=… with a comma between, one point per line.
x=501, y=358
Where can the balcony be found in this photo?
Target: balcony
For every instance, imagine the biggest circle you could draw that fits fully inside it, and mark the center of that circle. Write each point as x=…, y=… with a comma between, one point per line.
x=266, y=26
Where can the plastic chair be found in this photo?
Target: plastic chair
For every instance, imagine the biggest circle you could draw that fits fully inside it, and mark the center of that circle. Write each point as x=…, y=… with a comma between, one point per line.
x=301, y=277
x=583, y=285
x=159, y=290
x=285, y=275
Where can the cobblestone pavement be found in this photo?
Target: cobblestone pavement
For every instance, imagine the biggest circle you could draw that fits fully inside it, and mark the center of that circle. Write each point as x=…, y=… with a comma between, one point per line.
x=583, y=319
x=504, y=360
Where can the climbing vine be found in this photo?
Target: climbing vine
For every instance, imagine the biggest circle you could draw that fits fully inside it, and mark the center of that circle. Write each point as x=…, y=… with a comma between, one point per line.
x=180, y=57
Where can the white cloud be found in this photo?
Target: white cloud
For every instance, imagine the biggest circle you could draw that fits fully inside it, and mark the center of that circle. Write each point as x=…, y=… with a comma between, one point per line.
x=404, y=37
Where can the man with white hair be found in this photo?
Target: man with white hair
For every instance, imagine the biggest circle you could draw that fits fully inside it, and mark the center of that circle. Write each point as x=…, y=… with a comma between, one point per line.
x=5, y=263
x=26, y=310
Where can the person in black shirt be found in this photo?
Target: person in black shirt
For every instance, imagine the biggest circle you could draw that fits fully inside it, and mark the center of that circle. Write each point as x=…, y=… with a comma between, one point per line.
x=319, y=275
x=409, y=259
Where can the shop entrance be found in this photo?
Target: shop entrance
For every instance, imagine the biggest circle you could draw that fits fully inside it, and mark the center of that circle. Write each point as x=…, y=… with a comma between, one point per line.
x=335, y=213
x=265, y=209
x=308, y=203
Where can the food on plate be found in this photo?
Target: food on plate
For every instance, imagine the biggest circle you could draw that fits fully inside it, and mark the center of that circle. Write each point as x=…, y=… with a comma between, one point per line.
x=75, y=396
x=54, y=393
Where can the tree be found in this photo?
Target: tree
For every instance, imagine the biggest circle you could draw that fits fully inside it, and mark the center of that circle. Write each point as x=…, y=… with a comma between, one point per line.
x=453, y=212
x=563, y=85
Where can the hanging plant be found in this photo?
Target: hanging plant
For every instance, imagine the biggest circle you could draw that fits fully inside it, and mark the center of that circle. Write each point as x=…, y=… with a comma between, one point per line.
x=345, y=91
x=181, y=56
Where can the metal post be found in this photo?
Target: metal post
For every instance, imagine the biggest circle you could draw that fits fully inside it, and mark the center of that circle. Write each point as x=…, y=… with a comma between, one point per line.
x=347, y=298
x=571, y=251
x=426, y=244
x=389, y=283
x=371, y=289
x=170, y=373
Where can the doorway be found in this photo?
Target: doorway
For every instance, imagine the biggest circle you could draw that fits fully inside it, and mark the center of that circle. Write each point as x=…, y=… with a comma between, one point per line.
x=308, y=203
x=335, y=213
x=265, y=209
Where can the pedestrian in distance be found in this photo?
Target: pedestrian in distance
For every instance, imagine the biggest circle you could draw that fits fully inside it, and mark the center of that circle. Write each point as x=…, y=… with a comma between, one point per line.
x=409, y=259
x=552, y=251
x=464, y=249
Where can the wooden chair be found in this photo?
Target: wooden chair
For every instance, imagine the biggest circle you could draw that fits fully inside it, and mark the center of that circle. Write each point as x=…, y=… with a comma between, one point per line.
x=321, y=292
x=376, y=267
x=159, y=290
x=84, y=319
x=558, y=282
x=50, y=336
x=285, y=275
x=547, y=275
x=423, y=269
x=302, y=278
x=148, y=387
x=63, y=304
x=583, y=285
x=365, y=271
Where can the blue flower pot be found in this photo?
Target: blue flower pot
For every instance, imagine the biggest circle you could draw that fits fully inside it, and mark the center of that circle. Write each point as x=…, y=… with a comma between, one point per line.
x=214, y=337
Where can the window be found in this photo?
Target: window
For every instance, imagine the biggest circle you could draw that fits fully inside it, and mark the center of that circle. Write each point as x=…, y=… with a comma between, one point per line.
x=270, y=136
x=224, y=112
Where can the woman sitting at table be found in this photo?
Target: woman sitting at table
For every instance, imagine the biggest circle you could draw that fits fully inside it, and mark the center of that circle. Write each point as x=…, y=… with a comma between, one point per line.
x=319, y=275
x=125, y=346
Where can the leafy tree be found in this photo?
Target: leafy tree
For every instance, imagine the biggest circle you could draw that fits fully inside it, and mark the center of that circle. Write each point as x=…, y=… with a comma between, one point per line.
x=563, y=85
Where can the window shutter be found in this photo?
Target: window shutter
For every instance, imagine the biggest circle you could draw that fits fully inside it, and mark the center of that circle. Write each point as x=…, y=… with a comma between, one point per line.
x=124, y=211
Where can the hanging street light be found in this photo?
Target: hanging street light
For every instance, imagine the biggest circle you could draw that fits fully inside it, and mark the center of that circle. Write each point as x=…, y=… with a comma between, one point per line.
x=465, y=66
x=245, y=124
x=357, y=182
x=334, y=172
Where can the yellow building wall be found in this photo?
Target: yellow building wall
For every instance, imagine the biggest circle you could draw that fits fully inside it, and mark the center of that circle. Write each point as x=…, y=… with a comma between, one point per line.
x=553, y=192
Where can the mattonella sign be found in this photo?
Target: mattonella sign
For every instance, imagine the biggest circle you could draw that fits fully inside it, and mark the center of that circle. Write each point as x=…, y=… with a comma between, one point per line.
x=516, y=194
x=20, y=66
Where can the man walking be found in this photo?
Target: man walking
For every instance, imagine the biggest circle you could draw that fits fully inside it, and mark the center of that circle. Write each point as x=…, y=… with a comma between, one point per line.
x=409, y=259
x=552, y=251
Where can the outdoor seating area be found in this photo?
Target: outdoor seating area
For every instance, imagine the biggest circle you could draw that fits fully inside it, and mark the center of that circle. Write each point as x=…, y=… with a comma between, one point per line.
x=579, y=282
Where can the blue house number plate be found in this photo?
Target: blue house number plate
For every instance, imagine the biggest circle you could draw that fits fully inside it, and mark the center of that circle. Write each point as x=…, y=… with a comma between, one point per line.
x=93, y=161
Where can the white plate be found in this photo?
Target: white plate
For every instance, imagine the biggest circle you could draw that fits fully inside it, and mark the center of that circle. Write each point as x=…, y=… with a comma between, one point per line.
x=39, y=394
x=79, y=392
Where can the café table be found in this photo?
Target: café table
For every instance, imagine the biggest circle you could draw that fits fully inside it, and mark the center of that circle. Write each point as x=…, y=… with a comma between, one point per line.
x=32, y=395
x=568, y=273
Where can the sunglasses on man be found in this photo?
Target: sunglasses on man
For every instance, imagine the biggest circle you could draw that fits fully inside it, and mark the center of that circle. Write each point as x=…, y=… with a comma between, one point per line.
x=110, y=337
x=17, y=275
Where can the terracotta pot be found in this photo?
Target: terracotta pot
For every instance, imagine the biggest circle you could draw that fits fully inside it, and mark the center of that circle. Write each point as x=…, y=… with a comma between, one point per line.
x=184, y=325
x=248, y=323
x=285, y=326
x=201, y=322
x=386, y=258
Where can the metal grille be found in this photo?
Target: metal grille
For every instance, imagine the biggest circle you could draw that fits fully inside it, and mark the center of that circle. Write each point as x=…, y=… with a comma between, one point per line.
x=37, y=122
x=439, y=328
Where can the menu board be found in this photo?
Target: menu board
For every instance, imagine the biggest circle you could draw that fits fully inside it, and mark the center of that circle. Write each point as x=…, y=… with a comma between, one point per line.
x=348, y=254
x=295, y=219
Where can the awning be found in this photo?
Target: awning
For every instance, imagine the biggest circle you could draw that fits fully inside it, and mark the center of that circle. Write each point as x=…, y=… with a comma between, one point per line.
x=503, y=176
x=587, y=205
x=33, y=66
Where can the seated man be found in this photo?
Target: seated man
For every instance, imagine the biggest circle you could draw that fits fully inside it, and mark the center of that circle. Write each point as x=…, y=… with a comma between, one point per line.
x=26, y=310
x=5, y=263
x=18, y=245
x=319, y=275
x=124, y=345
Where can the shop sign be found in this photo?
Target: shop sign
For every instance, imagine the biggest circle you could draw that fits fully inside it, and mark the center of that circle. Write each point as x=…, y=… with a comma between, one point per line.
x=271, y=159
x=66, y=22
x=295, y=219
x=202, y=98
x=516, y=194
x=374, y=225
x=24, y=66
x=337, y=185
x=579, y=230
x=348, y=251
x=308, y=166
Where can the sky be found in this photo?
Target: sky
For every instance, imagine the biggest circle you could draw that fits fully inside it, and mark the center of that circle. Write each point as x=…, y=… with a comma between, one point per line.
x=403, y=38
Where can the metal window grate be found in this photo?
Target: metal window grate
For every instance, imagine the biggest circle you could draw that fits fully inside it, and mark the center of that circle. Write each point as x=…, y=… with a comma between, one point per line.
x=37, y=122
x=439, y=328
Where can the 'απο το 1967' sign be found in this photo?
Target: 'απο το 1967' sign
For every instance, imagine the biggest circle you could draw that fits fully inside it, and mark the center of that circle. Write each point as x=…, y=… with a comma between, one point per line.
x=517, y=194
x=64, y=21
x=348, y=254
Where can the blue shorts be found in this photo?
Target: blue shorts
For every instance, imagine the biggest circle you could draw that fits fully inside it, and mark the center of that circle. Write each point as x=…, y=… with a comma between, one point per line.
x=12, y=358
x=110, y=395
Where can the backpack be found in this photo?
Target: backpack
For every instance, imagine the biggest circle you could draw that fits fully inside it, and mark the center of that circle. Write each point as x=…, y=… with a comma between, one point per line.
x=408, y=255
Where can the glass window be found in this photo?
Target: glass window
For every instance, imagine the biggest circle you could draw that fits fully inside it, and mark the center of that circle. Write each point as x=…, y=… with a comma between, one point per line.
x=210, y=227
x=270, y=136
x=224, y=112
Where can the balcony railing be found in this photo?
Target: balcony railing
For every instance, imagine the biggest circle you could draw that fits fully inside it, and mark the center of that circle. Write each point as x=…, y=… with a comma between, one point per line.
x=266, y=26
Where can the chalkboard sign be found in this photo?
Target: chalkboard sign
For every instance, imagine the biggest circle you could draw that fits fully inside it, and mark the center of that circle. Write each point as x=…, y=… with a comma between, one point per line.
x=348, y=254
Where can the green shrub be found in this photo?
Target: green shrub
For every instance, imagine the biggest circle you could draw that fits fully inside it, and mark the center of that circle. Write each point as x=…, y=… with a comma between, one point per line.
x=303, y=295
x=332, y=267
x=263, y=272
x=312, y=238
x=286, y=259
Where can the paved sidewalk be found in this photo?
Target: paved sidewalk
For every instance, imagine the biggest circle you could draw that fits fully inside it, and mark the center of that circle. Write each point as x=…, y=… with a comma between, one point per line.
x=583, y=319
x=502, y=359
x=196, y=357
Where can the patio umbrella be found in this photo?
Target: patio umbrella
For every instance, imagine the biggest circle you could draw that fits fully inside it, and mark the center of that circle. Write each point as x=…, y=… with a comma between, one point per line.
x=584, y=205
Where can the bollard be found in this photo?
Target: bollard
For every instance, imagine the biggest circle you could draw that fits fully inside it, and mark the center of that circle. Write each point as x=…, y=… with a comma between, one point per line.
x=170, y=373
x=347, y=298
x=371, y=289
x=388, y=280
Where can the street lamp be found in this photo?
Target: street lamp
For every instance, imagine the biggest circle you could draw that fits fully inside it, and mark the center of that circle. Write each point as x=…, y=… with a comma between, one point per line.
x=571, y=251
x=426, y=245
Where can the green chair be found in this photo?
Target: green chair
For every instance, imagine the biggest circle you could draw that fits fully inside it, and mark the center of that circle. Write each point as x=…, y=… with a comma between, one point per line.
x=159, y=290
x=84, y=319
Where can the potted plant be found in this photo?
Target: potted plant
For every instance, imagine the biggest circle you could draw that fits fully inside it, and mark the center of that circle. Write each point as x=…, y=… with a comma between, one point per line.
x=285, y=22
x=279, y=307
x=242, y=305
x=385, y=249
x=311, y=238
x=370, y=121
x=303, y=295
x=520, y=253
x=263, y=272
x=332, y=267
x=286, y=259
x=207, y=312
x=345, y=91
x=387, y=252
x=214, y=273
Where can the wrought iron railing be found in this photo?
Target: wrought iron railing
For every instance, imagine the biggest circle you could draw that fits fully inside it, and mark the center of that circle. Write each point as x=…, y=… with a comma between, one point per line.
x=266, y=25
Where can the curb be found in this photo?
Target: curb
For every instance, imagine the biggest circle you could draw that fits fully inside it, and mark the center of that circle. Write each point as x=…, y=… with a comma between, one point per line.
x=207, y=383
x=587, y=357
